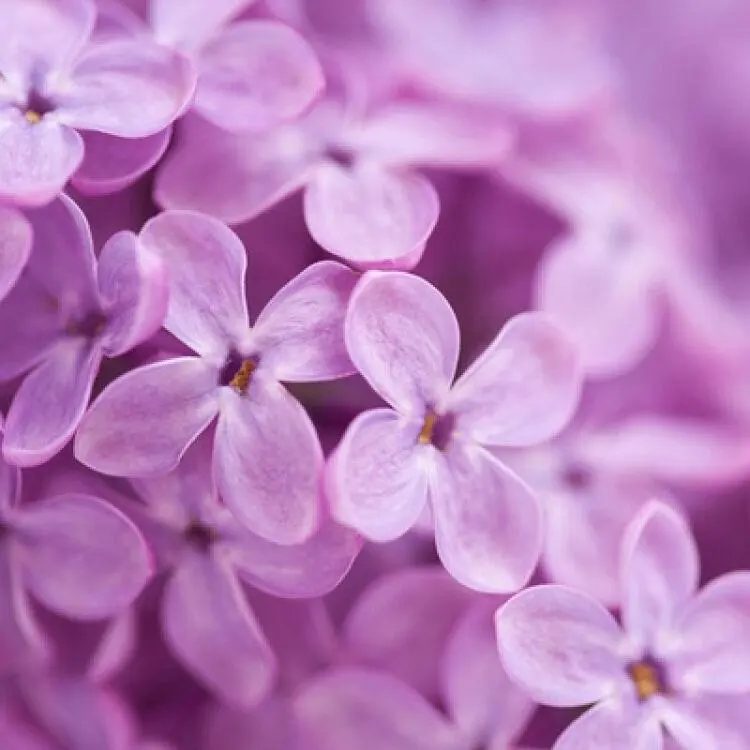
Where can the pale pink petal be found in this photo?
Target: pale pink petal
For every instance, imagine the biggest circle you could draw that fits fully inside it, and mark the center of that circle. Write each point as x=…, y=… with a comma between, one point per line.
x=709, y=721
x=209, y=626
x=111, y=164
x=133, y=287
x=613, y=724
x=523, y=389
x=80, y=556
x=380, y=628
x=255, y=75
x=348, y=708
x=403, y=336
x=605, y=302
x=710, y=651
x=206, y=265
x=126, y=87
x=36, y=159
x=659, y=572
x=488, y=522
x=560, y=646
x=49, y=404
x=268, y=462
x=16, y=237
x=143, y=422
x=300, y=332
x=377, y=478
x=371, y=216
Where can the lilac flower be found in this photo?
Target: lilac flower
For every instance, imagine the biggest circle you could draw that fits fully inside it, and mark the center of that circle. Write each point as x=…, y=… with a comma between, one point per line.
x=66, y=313
x=15, y=246
x=267, y=458
x=434, y=442
x=55, y=80
x=680, y=662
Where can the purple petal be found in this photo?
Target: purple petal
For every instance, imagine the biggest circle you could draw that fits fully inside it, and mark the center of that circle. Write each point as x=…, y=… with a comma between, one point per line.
x=710, y=651
x=560, y=646
x=42, y=36
x=659, y=572
x=50, y=403
x=10, y=486
x=348, y=708
x=375, y=480
x=111, y=164
x=709, y=721
x=81, y=557
x=18, y=734
x=301, y=330
x=524, y=388
x=206, y=264
x=126, y=87
x=133, y=288
x=488, y=522
x=143, y=422
x=268, y=462
x=403, y=336
x=209, y=626
x=371, y=216
x=16, y=236
x=36, y=159
x=255, y=75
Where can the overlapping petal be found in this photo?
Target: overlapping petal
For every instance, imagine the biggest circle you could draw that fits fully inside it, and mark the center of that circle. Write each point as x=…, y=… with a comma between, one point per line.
x=15, y=246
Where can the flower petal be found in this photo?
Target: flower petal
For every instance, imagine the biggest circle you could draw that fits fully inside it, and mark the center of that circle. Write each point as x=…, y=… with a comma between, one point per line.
x=206, y=264
x=709, y=721
x=301, y=330
x=403, y=336
x=348, y=708
x=376, y=480
x=111, y=164
x=36, y=159
x=16, y=237
x=209, y=626
x=268, y=462
x=560, y=646
x=255, y=75
x=523, y=389
x=81, y=557
x=371, y=216
x=126, y=87
x=659, y=572
x=134, y=290
x=50, y=403
x=143, y=422
x=488, y=522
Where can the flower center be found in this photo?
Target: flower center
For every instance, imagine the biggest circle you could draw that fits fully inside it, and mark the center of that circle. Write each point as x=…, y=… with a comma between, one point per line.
x=436, y=429
x=238, y=372
x=647, y=678
x=89, y=326
x=36, y=107
x=575, y=476
x=200, y=536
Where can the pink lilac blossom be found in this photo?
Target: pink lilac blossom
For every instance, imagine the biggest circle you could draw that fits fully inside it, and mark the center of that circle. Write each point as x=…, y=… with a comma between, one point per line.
x=374, y=374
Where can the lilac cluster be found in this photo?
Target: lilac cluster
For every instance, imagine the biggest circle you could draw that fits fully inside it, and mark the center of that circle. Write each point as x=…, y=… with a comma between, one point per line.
x=374, y=375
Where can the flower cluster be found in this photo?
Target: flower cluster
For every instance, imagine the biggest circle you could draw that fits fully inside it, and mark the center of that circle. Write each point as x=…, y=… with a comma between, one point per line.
x=374, y=374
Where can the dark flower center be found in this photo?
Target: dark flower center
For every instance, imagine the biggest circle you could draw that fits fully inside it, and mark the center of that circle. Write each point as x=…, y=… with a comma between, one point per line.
x=89, y=325
x=37, y=106
x=577, y=476
x=200, y=536
x=437, y=429
x=648, y=677
x=340, y=156
x=237, y=372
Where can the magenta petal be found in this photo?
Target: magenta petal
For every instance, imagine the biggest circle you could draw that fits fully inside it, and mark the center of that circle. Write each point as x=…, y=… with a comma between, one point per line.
x=375, y=480
x=36, y=160
x=301, y=330
x=80, y=556
x=488, y=522
x=371, y=216
x=126, y=87
x=659, y=572
x=134, y=292
x=255, y=75
x=268, y=462
x=367, y=710
x=111, y=164
x=560, y=646
x=50, y=403
x=15, y=245
x=524, y=388
x=18, y=734
x=403, y=336
x=143, y=422
x=206, y=264
x=209, y=626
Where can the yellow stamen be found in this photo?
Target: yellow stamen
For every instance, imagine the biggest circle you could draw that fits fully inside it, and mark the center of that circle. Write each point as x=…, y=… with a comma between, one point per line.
x=33, y=117
x=646, y=680
x=428, y=428
x=241, y=381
